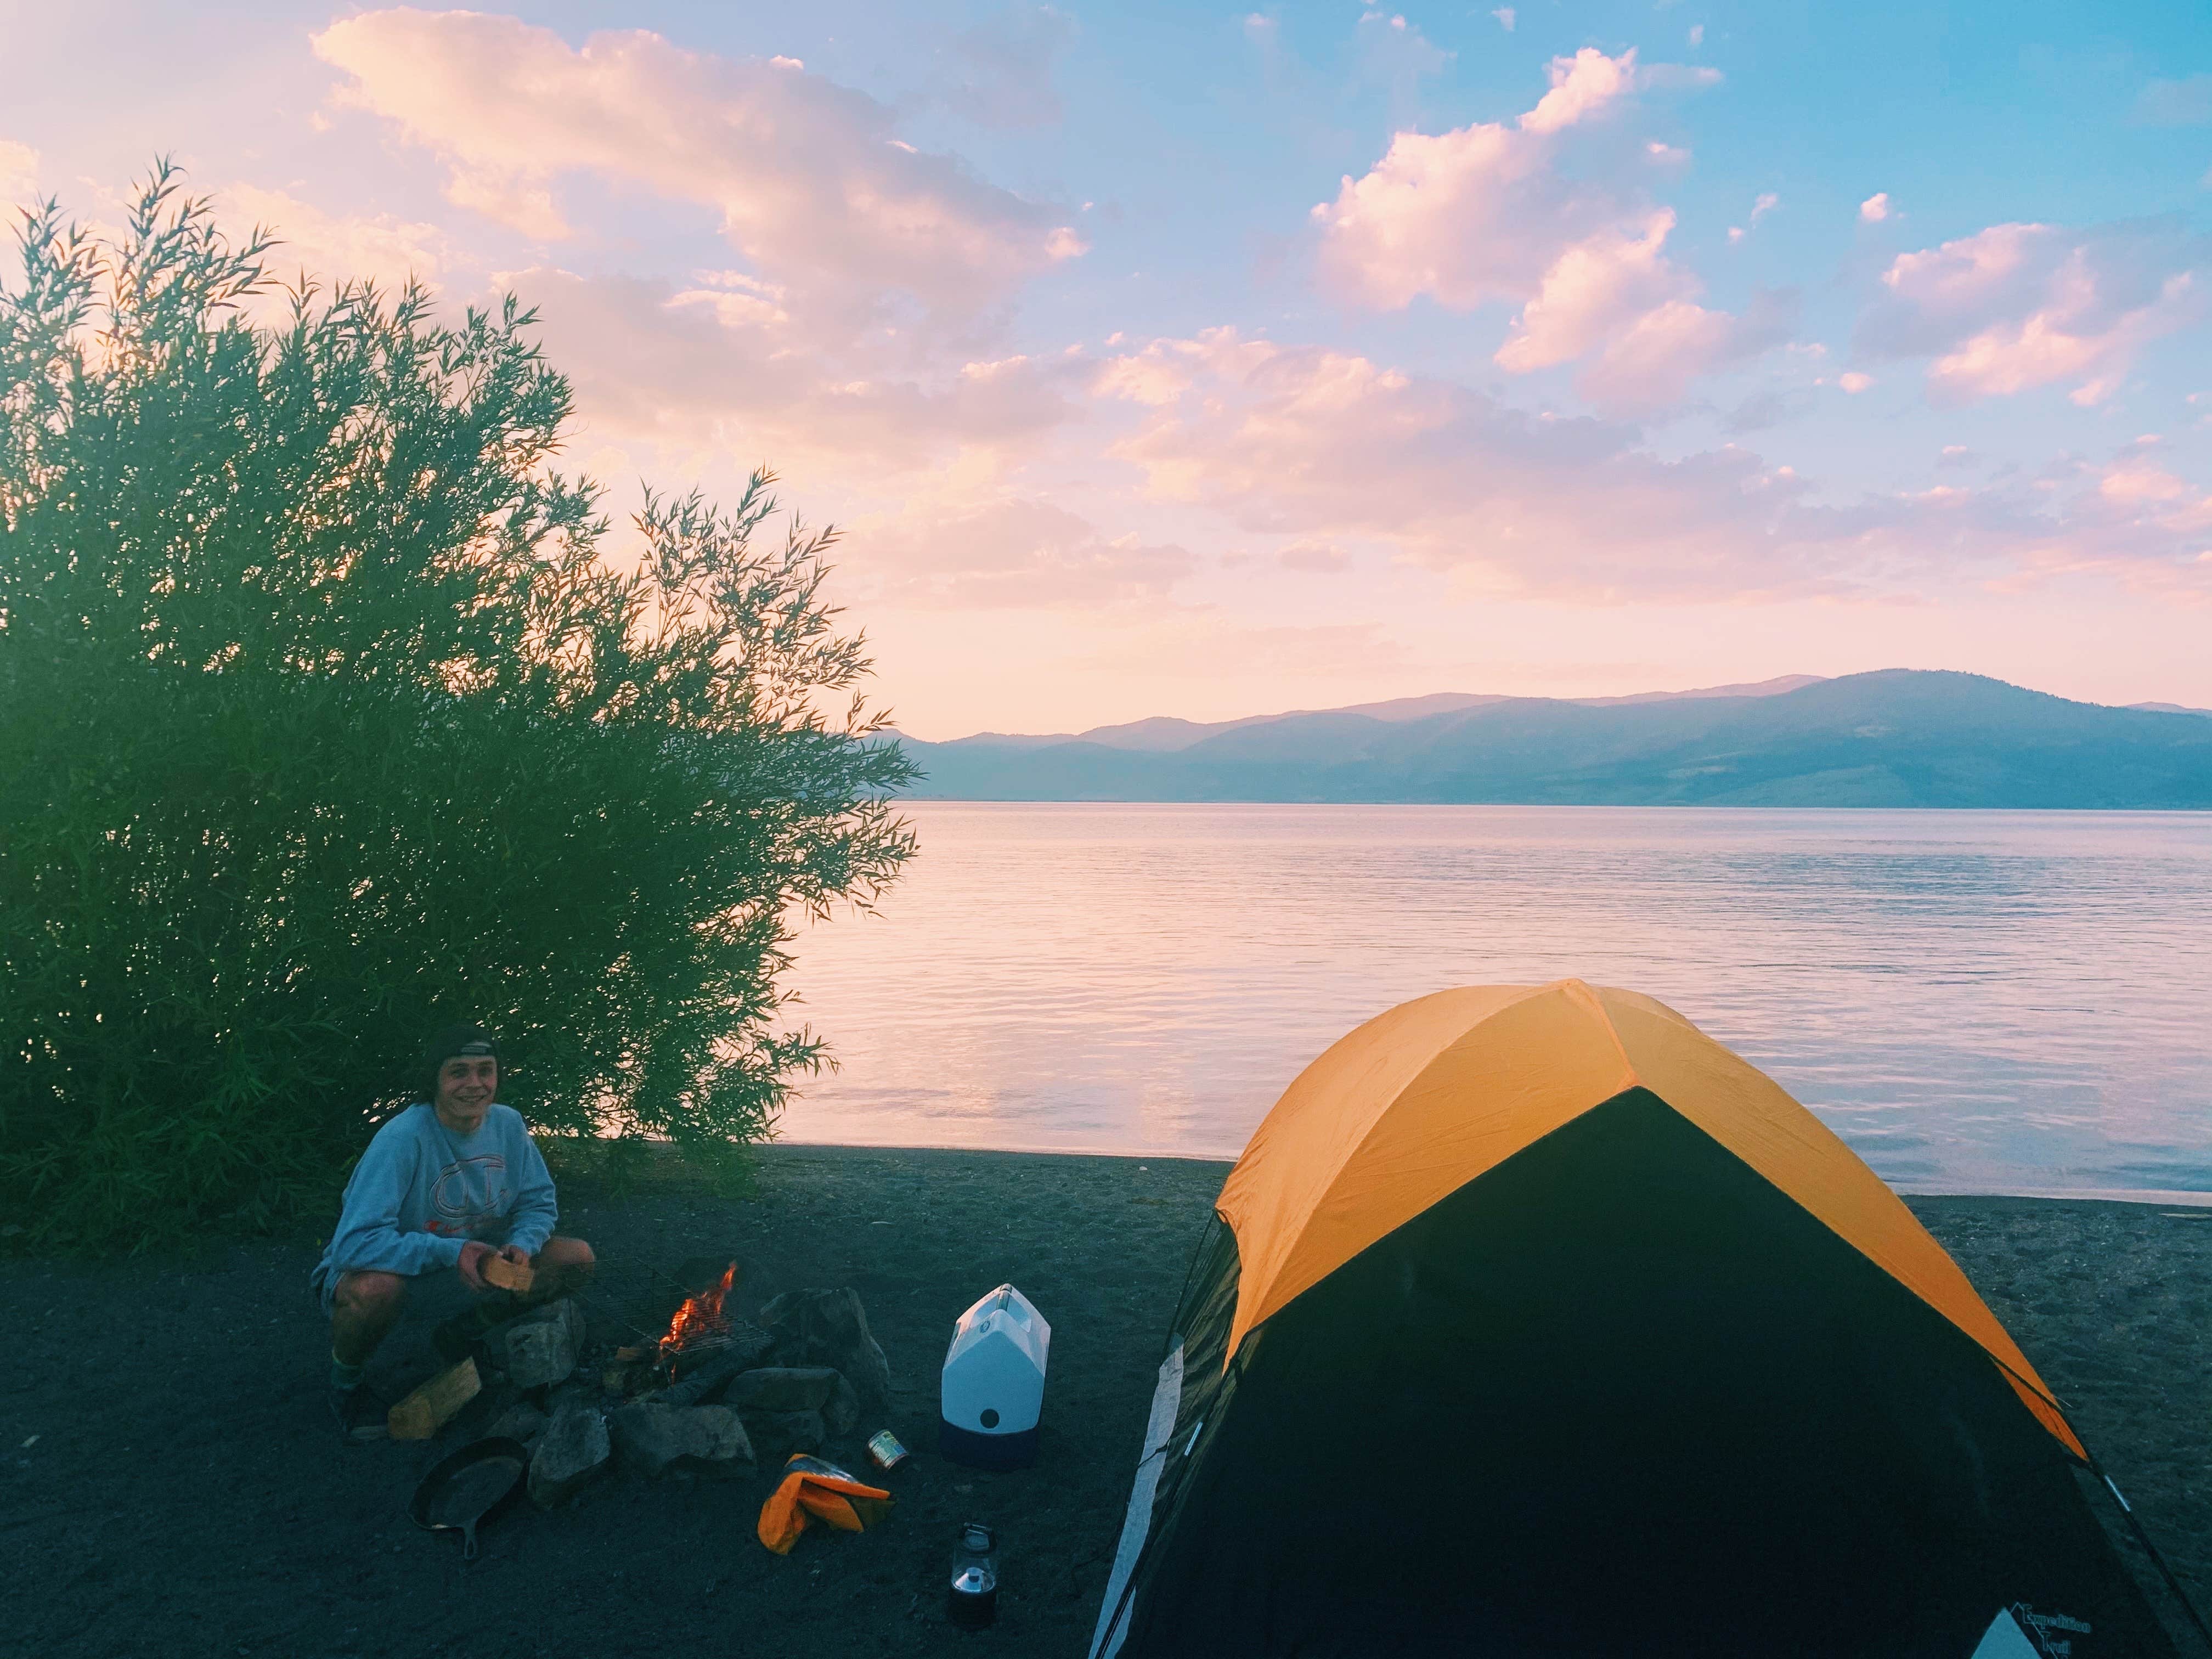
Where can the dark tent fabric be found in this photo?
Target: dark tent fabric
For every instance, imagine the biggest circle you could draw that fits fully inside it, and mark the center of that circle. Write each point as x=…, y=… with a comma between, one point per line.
x=1617, y=1395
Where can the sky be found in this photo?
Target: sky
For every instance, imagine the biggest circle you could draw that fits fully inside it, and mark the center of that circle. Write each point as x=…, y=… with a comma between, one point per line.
x=1167, y=359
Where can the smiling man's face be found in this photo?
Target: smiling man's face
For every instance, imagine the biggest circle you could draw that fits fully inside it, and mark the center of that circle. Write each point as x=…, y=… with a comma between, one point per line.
x=466, y=1087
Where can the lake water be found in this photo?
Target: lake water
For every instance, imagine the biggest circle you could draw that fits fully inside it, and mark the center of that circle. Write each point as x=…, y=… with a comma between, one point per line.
x=1976, y=1001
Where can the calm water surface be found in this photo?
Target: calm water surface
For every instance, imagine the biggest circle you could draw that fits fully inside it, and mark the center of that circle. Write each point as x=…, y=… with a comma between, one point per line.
x=1976, y=1001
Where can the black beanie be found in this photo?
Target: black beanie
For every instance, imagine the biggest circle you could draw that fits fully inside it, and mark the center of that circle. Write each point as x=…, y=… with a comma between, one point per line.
x=454, y=1040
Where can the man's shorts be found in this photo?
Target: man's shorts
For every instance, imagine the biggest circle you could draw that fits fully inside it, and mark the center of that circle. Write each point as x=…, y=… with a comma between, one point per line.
x=440, y=1284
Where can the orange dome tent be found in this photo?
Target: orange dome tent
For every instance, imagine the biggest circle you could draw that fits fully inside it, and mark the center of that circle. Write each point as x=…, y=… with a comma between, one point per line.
x=1536, y=1321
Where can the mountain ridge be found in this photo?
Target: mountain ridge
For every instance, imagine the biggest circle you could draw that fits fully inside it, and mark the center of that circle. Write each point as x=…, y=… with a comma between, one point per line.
x=1891, y=737
x=1158, y=732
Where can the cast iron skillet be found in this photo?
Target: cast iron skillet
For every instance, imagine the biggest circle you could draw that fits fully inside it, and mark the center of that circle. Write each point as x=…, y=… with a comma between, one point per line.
x=469, y=1488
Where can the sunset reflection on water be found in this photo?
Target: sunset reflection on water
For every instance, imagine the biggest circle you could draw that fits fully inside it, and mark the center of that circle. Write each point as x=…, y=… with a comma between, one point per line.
x=1976, y=1001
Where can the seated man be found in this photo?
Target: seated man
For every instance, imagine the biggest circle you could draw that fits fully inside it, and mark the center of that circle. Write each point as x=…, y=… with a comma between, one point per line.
x=448, y=1182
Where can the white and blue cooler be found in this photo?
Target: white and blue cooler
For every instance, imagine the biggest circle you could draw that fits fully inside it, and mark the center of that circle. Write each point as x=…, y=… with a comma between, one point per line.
x=993, y=1385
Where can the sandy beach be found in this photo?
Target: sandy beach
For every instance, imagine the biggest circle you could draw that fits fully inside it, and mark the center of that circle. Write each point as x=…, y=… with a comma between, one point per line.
x=173, y=1484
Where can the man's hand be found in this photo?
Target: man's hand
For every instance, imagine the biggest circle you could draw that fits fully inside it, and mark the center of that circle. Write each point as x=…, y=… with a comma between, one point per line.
x=514, y=1255
x=470, y=1265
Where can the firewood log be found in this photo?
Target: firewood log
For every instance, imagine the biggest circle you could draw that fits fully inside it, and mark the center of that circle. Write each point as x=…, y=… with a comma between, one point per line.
x=506, y=1275
x=433, y=1405
x=750, y=1348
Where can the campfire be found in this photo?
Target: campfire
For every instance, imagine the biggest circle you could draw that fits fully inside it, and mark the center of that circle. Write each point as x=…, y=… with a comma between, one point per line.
x=699, y=1327
x=709, y=1392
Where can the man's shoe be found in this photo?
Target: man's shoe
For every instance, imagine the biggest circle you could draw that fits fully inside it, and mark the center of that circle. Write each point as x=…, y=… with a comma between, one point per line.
x=360, y=1413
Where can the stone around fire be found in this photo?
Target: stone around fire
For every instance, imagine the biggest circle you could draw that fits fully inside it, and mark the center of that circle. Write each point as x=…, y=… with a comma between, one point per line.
x=653, y=1440
x=778, y=1434
x=573, y=1452
x=781, y=1388
x=818, y=1327
x=540, y=1348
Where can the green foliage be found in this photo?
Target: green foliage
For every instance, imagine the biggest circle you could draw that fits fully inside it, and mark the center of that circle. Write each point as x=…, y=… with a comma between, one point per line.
x=329, y=712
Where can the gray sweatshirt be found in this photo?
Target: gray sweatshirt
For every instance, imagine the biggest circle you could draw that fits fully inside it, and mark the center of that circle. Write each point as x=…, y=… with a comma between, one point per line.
x=421, y=1192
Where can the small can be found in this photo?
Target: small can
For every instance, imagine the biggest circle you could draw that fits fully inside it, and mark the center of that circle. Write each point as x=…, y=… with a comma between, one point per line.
x=884, y=1450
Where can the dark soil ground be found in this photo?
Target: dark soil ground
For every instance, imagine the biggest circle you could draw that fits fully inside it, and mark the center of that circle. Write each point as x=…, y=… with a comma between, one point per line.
x=171, y=1485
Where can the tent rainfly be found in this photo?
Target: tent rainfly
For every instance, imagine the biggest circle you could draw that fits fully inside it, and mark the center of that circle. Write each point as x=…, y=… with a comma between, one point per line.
x=1535, y=1322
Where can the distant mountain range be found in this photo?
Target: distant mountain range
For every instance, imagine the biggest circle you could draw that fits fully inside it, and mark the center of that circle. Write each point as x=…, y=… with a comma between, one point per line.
x=1899, y=737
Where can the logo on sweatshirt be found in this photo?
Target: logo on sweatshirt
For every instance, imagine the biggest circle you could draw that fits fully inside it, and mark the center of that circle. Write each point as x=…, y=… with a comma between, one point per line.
x=454, y=1198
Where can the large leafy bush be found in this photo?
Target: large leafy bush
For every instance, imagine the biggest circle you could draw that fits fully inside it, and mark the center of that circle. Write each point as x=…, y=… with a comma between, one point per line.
x=329, y=712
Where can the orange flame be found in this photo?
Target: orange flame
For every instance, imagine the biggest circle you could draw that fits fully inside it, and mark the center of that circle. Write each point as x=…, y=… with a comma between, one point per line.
x=700, y=1315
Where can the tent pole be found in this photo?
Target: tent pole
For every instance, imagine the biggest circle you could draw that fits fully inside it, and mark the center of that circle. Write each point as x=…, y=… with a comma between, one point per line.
x=2142, y=1537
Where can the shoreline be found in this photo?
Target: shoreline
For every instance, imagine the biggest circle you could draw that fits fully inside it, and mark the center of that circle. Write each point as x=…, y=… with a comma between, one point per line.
x=180, y=1474
x=2180, y=1197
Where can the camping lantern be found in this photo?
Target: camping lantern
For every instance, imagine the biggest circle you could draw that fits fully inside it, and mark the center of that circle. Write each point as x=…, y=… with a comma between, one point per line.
x=993, y=1391
x=972, y=1598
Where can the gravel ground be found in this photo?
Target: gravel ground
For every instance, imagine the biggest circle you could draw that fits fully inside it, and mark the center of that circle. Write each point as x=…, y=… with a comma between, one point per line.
x=170, y=1483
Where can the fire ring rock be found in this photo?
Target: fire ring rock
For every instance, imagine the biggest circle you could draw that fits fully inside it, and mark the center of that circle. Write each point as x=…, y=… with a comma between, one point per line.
x=571, y=1453
x=781, y=1433
x=653, y=1440
x=775, y=1390
x=521, y=1421
x=540, y=1348
x=829, y=1328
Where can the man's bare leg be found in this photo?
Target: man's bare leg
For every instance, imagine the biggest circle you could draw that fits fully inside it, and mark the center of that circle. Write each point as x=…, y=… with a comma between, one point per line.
x=563, y=1267
x=362, y=1313
x=364, y=1309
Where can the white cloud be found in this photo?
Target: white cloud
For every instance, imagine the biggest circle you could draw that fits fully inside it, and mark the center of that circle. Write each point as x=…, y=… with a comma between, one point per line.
x=19, y=174
x=1696, y=34
x=1875, y=209
x=1765, y=204
x=1504, y=15
x=2184, y=103
x=2016, y=307
x=810, y=185
x=1483, y=214
x=1854, y=382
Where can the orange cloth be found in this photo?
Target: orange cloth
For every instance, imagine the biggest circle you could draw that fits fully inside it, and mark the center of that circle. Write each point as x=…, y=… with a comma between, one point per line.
x=822, y=1491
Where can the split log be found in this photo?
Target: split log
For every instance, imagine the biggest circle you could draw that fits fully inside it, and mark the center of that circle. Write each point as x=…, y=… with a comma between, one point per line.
x=747, y=1346
x=433, y=1405
x=506, y=1275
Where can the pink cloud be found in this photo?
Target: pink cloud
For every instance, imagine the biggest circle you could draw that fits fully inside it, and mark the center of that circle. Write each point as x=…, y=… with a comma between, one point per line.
x=713, y=368
x=338, y=247
x=811, y=183
x=1010, y=552
x=1327, y=446
x=1485, y=214
x=1315, y=558
x=19, y=173
x=1582, y=86
x=2015, y=306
